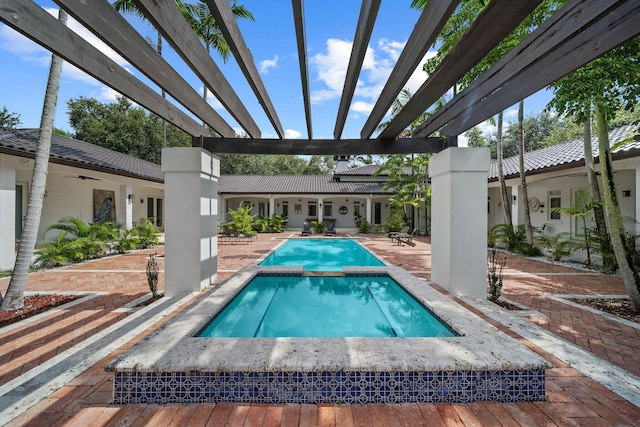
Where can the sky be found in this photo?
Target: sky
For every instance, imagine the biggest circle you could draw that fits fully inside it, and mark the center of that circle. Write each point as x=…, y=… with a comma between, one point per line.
x=330, y=28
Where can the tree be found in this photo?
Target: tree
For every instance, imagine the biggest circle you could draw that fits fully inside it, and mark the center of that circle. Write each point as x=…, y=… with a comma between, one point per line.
x=9, y=120
x=476, y=138
x=524, y=197
x=609, y=83
x=504, y=195
x=122, y=127
x=272, y=164
x=14, y=297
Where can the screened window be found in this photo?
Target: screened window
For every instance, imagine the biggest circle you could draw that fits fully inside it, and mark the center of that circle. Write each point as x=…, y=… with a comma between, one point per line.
x=328, y=209
x=555, y=201
x=313, y=209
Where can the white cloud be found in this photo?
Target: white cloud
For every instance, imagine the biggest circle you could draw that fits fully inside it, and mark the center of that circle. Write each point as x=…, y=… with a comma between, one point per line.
x=292, y=134
x=266, y=64
x=211, y=99
x=510, y=114
x=332, y=69
x=362, y=107
x=108, y=94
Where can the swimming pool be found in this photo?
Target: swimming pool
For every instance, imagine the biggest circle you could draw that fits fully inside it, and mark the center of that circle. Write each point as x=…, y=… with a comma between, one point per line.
x=321, y=254
x=302, y=306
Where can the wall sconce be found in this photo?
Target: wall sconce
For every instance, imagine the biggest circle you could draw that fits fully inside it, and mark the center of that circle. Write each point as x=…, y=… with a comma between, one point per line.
x=130, y=198
x=278, y=204
x=347, y=200
x=320, y=205
x=45, y=193
x=141, y=200
x=514, y=199
x=626, y=193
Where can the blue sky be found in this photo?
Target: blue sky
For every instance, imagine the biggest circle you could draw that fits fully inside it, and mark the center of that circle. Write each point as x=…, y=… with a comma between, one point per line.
x=330, y=28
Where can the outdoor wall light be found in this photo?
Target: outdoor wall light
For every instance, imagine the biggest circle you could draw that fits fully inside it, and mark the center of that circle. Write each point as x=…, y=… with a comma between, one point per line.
x=514, y=199
x=130, y=198
x=141, y=200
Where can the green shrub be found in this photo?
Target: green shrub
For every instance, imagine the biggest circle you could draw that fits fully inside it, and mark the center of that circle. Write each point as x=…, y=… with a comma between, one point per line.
x=146, y=233
x=395, y=220
x=494, y=274
x=559, y=246
x=241, y=222
x=318, y=226
x=363, y=226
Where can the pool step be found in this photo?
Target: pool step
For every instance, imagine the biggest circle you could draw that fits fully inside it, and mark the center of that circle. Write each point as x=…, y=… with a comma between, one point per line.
x=324, y=273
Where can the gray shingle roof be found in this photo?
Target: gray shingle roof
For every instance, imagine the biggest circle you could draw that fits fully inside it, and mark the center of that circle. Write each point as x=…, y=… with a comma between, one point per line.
x=368, y=170
x=80, y=154
x=294, y=184
x=567, y=154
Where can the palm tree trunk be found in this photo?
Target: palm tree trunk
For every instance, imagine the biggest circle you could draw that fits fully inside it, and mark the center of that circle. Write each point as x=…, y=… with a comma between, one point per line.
x=524, y=199
x=608, y=260
x=14, y=297
x=506, y=202
x=626, y=267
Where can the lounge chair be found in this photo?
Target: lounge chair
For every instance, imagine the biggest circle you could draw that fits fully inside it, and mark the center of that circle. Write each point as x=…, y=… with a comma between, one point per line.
x=403, y=230
x=306, y=228
x=404, y=238
x=331, y=228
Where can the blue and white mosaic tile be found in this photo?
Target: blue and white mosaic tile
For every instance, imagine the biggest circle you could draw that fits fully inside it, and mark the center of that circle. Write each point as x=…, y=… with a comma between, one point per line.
x=329, y=387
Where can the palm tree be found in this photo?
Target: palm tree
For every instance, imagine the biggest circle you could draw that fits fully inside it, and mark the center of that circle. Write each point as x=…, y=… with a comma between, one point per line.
x=14, y=297
x=524, y=199
x=506, y=202
x=207, y=29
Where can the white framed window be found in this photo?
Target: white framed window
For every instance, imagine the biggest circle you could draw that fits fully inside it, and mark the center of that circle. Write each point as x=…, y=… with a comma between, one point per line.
x=555, y=201
x=328, y=209
x=313, y=209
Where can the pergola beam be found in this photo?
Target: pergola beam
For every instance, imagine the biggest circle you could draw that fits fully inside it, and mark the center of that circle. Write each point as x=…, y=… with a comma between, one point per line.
x=566, y=23
x=613, y=29
x=495, y=22
x=298, y=19
x=366, y=21
x=321, y=146
x=431, y=21
x=221, y=11
x=102, y=18
x=34, y=22
x=168, y=20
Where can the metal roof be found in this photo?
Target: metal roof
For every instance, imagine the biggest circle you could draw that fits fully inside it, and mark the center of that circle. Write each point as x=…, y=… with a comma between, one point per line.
x=76, y=153
x=567, y=154
x=294, y=184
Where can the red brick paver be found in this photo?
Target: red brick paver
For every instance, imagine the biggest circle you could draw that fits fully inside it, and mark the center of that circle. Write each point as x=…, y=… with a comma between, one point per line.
x=572, y=398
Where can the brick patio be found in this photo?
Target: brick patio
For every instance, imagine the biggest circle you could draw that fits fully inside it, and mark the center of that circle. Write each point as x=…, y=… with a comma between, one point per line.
x=573, y=398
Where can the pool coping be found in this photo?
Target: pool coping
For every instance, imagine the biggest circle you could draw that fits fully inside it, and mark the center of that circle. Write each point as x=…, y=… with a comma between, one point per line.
x=174, y=347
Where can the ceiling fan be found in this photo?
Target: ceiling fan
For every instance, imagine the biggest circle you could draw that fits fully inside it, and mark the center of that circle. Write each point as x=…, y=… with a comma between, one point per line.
x=82, y=177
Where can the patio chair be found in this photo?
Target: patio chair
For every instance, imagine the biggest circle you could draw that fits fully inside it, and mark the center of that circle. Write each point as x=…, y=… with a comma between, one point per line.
x=306, y=228
x=403, y=230
x=405, y=238
x=330, y=229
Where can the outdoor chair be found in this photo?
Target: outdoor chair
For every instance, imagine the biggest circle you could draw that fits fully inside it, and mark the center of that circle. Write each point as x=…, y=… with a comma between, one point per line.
x=330, y=229
x=403, y=230
x=306, y=228
x=405, y=238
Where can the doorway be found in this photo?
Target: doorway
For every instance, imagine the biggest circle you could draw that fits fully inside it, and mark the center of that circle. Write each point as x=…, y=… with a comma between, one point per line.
x=155, y=211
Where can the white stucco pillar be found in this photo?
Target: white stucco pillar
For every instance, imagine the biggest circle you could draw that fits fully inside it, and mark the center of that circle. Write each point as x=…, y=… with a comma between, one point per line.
x=125, y=207
x=320, y=209
x=7, y=214
x=517, y=213
x=272, y=206
x=191, y=199
x=368, y=210
x=459, y=220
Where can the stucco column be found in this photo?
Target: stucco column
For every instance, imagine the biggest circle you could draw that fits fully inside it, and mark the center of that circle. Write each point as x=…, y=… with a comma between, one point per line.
x=191, y=195
x=459, y=220
x=125, y=206
x=637, y=201
x=272, y=206
x=368, y=210
x=517, y=214
x=7, y=214
x=320, y=210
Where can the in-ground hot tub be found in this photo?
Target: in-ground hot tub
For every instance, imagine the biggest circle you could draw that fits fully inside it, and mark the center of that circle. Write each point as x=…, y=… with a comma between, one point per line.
x=480, y=364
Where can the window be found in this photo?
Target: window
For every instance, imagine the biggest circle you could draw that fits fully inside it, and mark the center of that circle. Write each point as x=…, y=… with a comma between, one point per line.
x=262, y=209
x=297, y=208
x=328, y=209
x=313, y=209
x=356, y=210
x=285, y=209
x=555, y=201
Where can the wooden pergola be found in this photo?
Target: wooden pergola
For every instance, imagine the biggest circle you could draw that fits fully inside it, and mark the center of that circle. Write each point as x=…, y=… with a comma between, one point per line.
x=578, y=33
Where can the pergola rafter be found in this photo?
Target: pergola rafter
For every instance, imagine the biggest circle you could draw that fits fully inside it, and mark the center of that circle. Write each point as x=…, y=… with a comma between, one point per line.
x=578, y=33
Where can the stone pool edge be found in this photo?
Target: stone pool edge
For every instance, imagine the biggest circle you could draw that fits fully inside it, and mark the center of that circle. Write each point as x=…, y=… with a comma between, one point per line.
x=499, y=361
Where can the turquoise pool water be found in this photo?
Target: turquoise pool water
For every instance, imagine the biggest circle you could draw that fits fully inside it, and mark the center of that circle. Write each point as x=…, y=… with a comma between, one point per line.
x=327, y=307
x=321, y=254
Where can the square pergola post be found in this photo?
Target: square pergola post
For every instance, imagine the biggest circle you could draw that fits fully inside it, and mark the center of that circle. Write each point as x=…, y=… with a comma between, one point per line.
x=459, y=220
x=191, y=222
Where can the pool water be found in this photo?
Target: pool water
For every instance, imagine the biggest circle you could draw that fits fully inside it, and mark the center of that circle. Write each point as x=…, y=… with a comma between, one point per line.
x=321, y=254
x=329, y=307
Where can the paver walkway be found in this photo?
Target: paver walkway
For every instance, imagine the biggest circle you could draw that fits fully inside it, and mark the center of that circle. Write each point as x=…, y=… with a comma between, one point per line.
x=573, y=398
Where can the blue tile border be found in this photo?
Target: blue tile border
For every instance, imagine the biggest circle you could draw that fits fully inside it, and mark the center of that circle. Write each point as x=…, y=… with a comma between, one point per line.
x=329, y=387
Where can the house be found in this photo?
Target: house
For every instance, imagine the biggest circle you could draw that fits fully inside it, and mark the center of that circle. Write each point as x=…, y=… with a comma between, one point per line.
x=555, y=173
x=81, y=178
